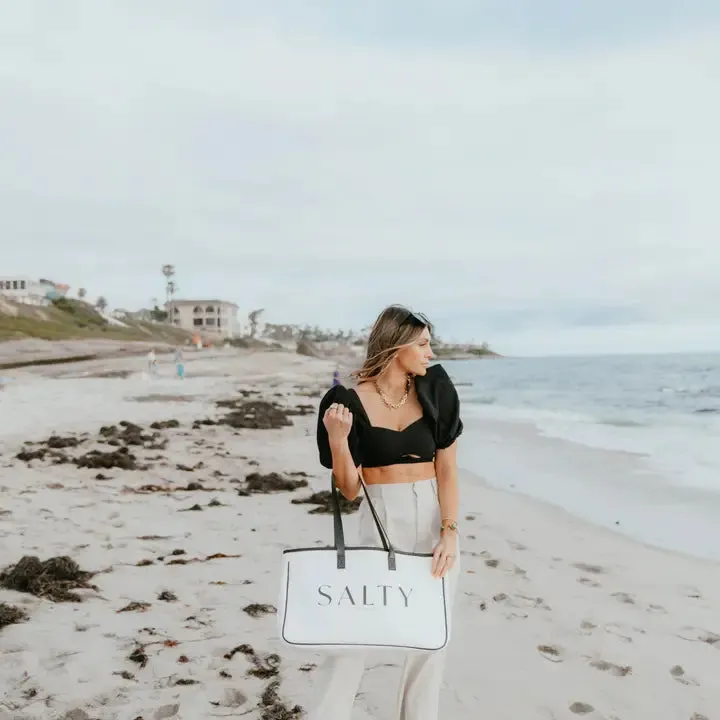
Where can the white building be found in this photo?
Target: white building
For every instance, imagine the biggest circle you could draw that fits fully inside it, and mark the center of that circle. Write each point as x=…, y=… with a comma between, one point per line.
x=207, y=318
x=30, y=291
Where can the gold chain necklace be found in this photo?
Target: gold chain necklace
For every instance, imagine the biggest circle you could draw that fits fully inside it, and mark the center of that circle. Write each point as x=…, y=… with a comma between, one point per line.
x=388, y=401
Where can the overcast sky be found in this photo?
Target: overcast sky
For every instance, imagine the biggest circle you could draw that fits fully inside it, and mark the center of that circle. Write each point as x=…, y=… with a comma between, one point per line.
x=540, y=175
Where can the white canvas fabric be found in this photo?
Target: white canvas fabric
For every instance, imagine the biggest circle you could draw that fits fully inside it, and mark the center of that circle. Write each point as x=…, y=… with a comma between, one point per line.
x=411, y=514
x=373, y=594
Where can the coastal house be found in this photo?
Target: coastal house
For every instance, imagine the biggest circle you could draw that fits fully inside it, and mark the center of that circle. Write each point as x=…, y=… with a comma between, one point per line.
x=207, y=318
x=31, y=291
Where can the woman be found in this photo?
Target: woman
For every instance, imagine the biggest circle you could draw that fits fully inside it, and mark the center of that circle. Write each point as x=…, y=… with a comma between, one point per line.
x=398, y=428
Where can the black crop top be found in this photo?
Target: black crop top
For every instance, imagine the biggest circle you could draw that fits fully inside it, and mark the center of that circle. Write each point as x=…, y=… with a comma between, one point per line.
x=370, y=446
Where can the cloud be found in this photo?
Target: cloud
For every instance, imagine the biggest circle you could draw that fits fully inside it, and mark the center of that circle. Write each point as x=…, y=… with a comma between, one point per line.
x=499, y=173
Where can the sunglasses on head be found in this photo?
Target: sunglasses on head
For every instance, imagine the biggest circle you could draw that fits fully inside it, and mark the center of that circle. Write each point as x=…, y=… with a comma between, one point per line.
x=417, y=319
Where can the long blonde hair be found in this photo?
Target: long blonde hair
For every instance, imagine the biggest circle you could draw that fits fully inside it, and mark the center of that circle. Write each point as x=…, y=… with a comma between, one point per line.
x=396, y=328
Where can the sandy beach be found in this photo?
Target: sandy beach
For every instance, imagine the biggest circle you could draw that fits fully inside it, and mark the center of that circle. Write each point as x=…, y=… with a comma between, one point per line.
x=172, y=501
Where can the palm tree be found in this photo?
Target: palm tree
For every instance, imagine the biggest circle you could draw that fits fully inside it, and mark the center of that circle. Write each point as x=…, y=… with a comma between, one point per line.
x=101, y=303
x=253, y=320
x=169, y=272
x=82, y=292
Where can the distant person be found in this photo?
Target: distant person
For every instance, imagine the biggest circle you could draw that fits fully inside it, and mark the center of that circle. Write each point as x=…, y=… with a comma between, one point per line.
x=179, y=364
x=152, y=362
x=336, y=377
x=398, y=430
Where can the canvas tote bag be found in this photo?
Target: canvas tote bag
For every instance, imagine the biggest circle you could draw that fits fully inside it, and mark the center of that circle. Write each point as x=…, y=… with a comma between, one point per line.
x=361, y=597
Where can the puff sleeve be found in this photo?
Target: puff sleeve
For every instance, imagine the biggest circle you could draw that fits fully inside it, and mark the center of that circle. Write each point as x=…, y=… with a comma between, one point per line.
x=338, y=394
x=449, y=425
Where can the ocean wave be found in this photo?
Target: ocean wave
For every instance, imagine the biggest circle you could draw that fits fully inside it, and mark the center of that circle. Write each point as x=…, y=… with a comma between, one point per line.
x=622, y=422
x=482, y=401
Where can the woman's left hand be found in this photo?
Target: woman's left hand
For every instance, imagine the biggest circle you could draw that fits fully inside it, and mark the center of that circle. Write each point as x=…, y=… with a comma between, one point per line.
x=445, y=554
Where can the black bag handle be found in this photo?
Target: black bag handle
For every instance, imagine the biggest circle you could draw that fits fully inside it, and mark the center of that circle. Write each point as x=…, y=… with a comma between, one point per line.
x=339, y=532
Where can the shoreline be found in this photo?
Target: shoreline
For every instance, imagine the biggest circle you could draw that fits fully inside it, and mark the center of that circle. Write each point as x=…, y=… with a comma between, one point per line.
x=559, y=513
x=26, y=353
x=614, y=489
x=557, y=615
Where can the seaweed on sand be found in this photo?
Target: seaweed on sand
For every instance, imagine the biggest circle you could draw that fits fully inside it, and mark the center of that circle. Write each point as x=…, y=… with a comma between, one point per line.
x=54, y=578
x=251, y=414
x=269, y=483
x=273, y=708
x=323, y=500
x=10, y=614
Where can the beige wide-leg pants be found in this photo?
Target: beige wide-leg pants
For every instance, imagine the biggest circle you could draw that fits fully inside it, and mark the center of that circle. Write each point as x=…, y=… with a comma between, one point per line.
x=411, y=514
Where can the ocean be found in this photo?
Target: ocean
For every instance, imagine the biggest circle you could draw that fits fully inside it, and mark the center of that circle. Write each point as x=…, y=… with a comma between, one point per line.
x=628, y=442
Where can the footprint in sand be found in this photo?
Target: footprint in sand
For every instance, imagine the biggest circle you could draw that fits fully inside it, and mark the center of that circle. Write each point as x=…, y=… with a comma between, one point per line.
x=700, y=635
x=581, y=708
x=618, y=631
x=494, y=563
x=624, y=597
x=617, y=670
x=517, y=545
x=553, y=653
x=588, y=568
x=589, y=582
x=521, y=601
x=678, y=674
x=691, y=591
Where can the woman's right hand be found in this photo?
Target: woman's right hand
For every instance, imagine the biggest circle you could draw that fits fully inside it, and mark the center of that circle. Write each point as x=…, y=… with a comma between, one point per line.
x=337, y=420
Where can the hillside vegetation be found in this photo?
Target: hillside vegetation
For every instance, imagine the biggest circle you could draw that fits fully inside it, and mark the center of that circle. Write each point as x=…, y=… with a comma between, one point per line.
x=68, y=319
